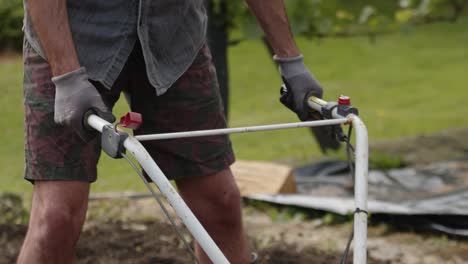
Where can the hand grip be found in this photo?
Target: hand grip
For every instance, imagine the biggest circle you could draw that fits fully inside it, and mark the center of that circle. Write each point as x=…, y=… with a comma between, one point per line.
x=108, y=116
x=86, y=115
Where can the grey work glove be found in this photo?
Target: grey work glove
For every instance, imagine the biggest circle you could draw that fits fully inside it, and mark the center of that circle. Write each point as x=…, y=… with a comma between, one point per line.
x=300, y=85
x=74, y=97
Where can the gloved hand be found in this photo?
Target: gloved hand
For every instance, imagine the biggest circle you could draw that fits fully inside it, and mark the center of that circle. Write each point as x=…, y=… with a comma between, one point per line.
x=300, y=85
x=74, y=96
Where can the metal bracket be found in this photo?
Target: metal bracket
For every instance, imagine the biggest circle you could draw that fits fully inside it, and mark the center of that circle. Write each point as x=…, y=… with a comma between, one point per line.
x=112, y=141
x=345, y=110
x=328, y=109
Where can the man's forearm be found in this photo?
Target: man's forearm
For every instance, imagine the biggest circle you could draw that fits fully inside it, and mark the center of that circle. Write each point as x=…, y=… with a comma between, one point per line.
x=272, y=17
x=50, y=21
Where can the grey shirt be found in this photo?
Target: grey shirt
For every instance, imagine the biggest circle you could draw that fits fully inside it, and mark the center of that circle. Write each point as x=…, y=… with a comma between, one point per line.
x=104, y=32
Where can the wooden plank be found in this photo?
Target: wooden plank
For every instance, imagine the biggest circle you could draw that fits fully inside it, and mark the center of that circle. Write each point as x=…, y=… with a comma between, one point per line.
x=257, y=177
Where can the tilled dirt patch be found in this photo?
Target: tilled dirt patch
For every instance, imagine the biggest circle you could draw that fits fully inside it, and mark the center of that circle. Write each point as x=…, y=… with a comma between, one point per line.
x=135, y=231
x=448, y=144
x=151, y=242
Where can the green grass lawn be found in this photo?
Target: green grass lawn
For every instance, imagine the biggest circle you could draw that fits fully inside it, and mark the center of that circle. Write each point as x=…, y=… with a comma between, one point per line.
x=402, y=84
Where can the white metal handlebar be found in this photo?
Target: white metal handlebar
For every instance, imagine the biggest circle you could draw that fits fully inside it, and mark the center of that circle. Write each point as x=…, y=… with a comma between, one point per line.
x=166, y=188
x=360, y=190
x=133, y=145
x=224, y=131
x=360, y=179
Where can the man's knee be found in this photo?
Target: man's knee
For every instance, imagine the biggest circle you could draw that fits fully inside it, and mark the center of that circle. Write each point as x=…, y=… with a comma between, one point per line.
x=62, y=218
x=215, y=199
x=228, y=199
x=57, y=225
x=58, y=211
x=224, y=207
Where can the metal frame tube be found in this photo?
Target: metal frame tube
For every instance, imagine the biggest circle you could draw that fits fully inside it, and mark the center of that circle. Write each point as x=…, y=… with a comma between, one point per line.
x=360, y=180
x=166, y=188
x=224, y=131
x=180, y=207
x=199, y=233
x=360, y=190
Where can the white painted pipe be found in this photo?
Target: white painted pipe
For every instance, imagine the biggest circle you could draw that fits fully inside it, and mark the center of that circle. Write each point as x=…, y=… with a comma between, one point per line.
x=166, y=188
x=224, y=131
x=181, y=208
x=360, y=180
x=205, y=241
x=317, y=104
x=360, y=190
x=97, y=123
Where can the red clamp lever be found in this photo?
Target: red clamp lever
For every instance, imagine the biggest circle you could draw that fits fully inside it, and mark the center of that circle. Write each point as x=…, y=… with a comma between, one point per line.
x=131, y=120
x=344, y=106
x=344, y=100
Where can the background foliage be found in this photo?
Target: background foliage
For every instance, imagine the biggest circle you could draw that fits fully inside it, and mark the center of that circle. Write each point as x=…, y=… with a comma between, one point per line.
x=311, y=18
x=11, y=21
x=319, y=18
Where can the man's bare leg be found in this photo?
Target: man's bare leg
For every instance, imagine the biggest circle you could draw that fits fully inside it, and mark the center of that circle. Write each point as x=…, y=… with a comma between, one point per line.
x=57, y=215
x=215, y=200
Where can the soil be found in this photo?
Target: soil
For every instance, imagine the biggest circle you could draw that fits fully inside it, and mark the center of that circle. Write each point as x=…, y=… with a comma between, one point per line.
x=424, y=149
x=135, y=230
x=152, y=242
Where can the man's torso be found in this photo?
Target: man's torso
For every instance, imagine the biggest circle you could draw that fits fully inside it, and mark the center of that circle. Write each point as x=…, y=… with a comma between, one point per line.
x=170, y=31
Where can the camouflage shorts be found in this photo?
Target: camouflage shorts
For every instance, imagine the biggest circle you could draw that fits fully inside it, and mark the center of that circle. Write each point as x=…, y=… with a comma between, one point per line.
x=53, y=152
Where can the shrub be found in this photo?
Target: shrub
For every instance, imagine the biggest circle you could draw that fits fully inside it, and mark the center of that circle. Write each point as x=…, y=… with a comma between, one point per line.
x=12, y=210
x=11, y=22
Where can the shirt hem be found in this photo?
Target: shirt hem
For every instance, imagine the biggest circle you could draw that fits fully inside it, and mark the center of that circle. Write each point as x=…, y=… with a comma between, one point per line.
x=161, y=89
